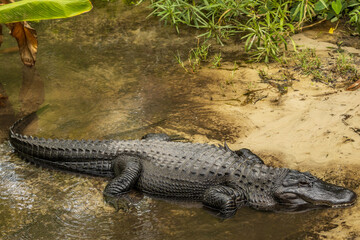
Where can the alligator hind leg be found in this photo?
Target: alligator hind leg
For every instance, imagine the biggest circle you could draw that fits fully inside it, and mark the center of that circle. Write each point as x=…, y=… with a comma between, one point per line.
x=224, y=199
x=127, y=171
x=244, y=152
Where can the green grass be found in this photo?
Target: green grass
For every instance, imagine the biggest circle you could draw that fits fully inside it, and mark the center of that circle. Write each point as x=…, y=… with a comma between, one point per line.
x=196, y=57
x=265, y=26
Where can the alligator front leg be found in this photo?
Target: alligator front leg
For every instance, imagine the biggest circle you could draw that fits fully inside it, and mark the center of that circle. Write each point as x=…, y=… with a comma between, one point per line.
x=127, y=170
x=224, y=199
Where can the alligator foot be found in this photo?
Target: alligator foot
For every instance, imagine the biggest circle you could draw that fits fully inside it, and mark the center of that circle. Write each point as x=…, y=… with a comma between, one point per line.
x=118, y=204
x=225, y=200
x=127, y=170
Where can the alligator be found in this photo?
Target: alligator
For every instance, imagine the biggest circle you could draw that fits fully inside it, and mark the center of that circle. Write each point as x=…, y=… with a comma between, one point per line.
x=222, y=179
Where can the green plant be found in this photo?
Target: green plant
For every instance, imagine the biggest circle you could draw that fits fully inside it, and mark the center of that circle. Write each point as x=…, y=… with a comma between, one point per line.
x=355, y=15
x=181, y=63
x=233, y=71
x=265, y=37
x=129, y=2
x=308, y=60
x=196, y=56
x=344, y=64
x=15, y=14
x=216, y=62
x=265, y=25
x=35, y=10
x=200, y=52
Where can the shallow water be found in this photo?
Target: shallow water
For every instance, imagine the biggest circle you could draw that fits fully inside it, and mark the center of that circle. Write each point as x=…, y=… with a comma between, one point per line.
x=111, y=73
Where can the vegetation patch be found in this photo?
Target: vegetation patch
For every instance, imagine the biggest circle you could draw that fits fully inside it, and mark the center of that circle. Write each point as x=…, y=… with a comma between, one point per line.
x=337, y=71
x=265, y=26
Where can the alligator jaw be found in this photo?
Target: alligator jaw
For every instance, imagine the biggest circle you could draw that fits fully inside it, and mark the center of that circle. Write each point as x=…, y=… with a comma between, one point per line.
x=302, y=205
x=331, y=205
x=343, y=205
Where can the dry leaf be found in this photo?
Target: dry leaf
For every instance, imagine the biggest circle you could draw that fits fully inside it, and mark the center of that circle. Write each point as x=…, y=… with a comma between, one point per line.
x=27, y=41
x=354, y=86
x=26, y=38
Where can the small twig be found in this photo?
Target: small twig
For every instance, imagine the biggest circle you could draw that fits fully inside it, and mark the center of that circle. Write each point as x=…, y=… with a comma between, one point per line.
x=260, y=98
x=311, y=25
x=325, y=94
x=256, y=90
x=356, y=130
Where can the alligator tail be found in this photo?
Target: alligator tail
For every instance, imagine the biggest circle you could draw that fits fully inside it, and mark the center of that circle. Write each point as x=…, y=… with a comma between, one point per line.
x=88, y=157
x=18, y=127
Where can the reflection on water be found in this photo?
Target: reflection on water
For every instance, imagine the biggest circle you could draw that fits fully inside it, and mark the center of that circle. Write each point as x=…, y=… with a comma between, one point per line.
x=111, y=74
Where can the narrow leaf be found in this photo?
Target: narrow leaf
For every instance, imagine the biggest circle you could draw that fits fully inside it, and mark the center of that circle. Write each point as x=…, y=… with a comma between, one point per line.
x=320, y=5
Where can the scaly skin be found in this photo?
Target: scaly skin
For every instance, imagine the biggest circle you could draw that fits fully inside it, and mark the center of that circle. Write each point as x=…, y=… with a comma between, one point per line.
x=222, y=179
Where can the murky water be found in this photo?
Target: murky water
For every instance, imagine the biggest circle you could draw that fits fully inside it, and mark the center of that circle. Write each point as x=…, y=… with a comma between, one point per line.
x=112, y=74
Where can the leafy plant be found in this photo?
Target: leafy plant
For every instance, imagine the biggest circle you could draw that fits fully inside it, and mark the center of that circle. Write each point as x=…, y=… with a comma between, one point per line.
x=355, y=15
x=15, y=14
x=196, y=56
x=307, y=60
x=344, y=64
x=35, y=10
x=265, y=25
x=217, y=60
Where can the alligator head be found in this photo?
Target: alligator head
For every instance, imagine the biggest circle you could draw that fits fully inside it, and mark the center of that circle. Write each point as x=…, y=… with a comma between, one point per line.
x=301, y=191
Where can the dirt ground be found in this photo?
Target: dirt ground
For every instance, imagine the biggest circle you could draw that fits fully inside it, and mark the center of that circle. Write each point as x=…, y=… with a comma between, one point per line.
x=312, y=127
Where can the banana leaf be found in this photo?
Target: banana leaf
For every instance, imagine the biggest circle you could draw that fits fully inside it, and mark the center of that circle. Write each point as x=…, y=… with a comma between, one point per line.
x=34, y=10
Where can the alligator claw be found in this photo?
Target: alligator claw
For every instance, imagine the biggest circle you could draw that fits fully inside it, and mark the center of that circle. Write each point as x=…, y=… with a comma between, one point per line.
x=122, y=202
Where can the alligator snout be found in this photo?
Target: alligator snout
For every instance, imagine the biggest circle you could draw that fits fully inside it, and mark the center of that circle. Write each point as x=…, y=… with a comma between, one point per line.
x=344, y=197
x=323, y=193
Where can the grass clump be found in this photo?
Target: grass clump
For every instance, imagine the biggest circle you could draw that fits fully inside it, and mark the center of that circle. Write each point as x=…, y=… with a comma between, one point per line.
x=264, y=25
x=196, y=56
x=338, y=70
x=307, y=60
